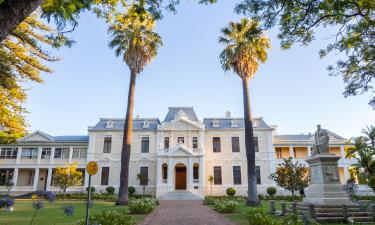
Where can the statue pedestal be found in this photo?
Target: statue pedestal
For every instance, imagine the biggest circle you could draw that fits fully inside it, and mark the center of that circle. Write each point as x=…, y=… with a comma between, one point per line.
x=325, y=187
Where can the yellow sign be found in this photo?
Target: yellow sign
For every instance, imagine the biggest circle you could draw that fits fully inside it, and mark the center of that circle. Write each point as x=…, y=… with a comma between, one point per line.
x=92, y=168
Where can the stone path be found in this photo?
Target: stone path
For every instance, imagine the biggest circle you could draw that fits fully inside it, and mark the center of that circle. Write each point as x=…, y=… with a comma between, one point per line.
x=184, y=213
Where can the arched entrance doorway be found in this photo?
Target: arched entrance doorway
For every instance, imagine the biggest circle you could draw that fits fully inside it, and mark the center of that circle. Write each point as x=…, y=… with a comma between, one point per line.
x=180, y=171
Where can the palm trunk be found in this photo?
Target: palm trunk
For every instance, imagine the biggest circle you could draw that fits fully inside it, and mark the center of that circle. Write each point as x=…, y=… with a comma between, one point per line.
x=13, y=12
x=126, y=145
x=252, y=194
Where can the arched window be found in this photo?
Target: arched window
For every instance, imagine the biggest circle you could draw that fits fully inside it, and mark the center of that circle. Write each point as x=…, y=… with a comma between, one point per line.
x=195, y=171
x=165, y=171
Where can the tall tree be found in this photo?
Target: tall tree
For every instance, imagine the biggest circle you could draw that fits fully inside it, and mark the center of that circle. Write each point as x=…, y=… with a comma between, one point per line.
x=245, y=48
x=21, y=59
x=352, y=24
x=134, y=39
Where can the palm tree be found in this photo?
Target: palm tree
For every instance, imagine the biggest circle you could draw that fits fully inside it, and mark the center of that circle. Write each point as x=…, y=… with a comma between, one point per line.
x=245, y=48
x=133, y=38
x=370, y=133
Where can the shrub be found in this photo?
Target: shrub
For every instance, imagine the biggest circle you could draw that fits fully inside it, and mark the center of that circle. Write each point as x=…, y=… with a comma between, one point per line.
x=110, y=217
x=231, y=191
x=131, y=191
x=209, y=200
x=223, y=206
x=92, y=189
x=271, y=191
x=6, y=202
x=142, y=205
x=110, y=190
x=257, y=216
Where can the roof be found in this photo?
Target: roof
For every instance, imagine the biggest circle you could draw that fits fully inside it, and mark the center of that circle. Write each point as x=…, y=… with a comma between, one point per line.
x=173, y=112
x=226, y=123
x=306, y=138
x=118, y=124
x=293, y=137
x=39, y=136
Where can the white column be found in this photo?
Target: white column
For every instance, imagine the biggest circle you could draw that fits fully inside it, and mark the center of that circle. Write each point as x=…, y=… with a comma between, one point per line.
x=308, y=151
x=170, y=175
x=342, y=153
x=52, y=155
x=18, y=155
x=86, y=182
x=70, y=155
x=201, y=174
x=49, y=178
x=39, y=156
x=291, y=152
x=346, y=173
x=15, y=178
x=190, y=174
x=158, y=172
x=36, y=179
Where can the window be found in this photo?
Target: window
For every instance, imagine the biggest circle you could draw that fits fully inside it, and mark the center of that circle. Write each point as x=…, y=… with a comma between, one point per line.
x=279, y=153
x=235, y=144
x=79, y=153
x=216, y=144
x=257, y=172
x=166, y=143
x=105, y=176
x=29, y=153
x=6, y=175
x=256, y=144
x=62, y=153
x=195, y=142
x=196, y=171
x=180, y=140
x=144, y=176
x=145, y=145
x=8, y=153
x=46, y=153
x=107, y=145
x=236, y=175
x=165, y=171
x=217, y=175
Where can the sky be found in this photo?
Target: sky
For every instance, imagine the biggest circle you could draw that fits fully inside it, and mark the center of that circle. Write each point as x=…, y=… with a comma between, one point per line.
x=291, y=90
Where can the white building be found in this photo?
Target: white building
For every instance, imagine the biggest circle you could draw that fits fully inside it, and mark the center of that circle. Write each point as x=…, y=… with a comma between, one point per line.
x=178, y=153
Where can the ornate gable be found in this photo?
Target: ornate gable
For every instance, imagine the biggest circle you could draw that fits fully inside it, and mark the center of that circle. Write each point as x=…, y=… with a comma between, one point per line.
x=37, y=136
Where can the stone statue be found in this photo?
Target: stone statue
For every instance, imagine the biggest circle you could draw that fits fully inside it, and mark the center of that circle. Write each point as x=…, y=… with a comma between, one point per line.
x=321, y=141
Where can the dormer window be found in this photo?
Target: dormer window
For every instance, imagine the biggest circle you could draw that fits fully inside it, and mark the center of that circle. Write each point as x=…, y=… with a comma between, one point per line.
x=233, y=123
x=215, y=123
x=146, y=124
x=109, y=124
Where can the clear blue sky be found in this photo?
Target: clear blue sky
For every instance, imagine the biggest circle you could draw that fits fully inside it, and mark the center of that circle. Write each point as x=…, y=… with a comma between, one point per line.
x=292, y=90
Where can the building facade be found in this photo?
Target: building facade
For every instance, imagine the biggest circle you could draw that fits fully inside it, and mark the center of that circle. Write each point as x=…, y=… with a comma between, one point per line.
x=179, y=153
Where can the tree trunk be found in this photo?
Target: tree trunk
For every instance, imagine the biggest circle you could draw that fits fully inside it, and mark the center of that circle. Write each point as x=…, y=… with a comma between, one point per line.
x=126, y=144
x=252, y=194
x=13, y=12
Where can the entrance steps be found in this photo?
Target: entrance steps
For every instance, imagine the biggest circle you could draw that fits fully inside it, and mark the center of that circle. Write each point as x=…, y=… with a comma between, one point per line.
x=180, y=195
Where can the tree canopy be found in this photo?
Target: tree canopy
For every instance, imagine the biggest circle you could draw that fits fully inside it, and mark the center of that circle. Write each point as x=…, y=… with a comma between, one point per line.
x=22, y=59
x=353, y=23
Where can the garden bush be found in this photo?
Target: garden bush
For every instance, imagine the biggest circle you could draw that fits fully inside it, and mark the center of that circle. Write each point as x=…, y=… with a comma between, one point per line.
x=92, y=189
x=231, y=191
x=131, y=191
x=271, y=191
x=287, y=198
x=110, y=190
x=110, y=217
x=142, y=205
x=225, y=206
x=209, y=200
x=258, y=216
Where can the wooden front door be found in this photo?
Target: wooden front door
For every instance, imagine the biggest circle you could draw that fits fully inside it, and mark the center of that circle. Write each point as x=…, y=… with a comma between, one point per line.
x=180, y=178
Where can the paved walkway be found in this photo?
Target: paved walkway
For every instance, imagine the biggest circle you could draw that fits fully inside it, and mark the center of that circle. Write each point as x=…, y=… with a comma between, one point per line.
x=184, y=213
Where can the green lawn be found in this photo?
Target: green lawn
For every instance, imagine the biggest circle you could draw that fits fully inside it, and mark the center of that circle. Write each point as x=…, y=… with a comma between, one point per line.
x=238, y=216
x=23, y=212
